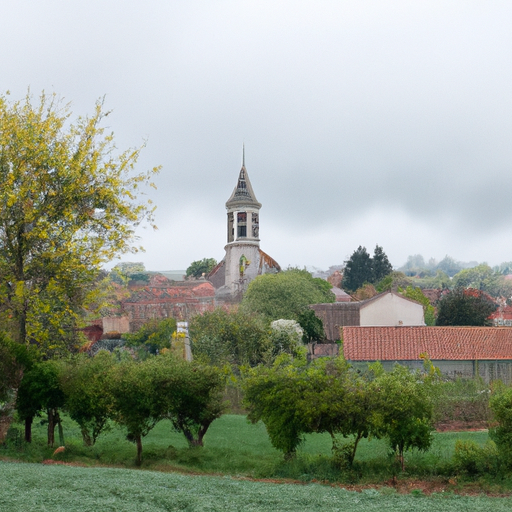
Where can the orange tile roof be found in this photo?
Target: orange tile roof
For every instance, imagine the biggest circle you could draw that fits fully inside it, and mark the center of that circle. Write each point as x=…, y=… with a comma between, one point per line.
x=439, y=343
x=504, y=313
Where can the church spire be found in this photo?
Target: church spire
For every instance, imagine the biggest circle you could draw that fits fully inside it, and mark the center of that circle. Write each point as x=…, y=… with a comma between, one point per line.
x=243, y=194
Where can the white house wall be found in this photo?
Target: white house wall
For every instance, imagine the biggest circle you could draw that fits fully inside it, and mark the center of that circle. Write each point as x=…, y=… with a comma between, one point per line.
x=390, y=310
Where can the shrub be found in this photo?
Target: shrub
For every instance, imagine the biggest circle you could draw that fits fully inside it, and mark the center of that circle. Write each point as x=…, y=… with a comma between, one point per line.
x=472, y=459
x=501, y=434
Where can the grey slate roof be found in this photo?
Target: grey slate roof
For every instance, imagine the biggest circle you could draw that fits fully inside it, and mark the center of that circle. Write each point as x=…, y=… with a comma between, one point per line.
x=243, y=194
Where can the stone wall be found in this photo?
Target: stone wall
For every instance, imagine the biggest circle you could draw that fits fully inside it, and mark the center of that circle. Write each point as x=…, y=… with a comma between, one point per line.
x=162, y=298
x=316, y=350
x=487, y=370
x=116, y=324
x=336, y=315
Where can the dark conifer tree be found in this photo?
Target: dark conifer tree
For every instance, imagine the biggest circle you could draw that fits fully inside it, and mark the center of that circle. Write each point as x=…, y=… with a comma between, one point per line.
x=380, y=264
x=361, y=268
x=358, y=270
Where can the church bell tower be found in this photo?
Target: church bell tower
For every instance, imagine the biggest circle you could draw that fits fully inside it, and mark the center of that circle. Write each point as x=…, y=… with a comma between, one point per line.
x=243, y=211
x=244, y=260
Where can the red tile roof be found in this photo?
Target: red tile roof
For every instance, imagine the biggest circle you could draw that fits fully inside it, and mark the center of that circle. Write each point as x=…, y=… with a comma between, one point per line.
x=439, y=343
x=504, y=313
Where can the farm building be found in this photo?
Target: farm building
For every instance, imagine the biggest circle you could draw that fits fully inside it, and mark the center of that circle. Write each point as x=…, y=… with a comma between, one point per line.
x=457, y=351
x=385, y=309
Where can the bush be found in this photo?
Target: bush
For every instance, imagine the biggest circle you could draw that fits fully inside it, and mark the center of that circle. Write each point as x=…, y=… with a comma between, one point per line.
x=501, y=434
x=472, y=459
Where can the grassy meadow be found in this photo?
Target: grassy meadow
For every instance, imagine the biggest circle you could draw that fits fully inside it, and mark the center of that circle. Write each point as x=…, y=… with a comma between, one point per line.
x=235, y=447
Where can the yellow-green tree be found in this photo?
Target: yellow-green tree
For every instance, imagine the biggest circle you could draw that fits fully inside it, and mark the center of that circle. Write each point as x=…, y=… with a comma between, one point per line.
x=69, y=201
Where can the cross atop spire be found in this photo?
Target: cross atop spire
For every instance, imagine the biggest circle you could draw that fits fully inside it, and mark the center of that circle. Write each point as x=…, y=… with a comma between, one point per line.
x=243, y=155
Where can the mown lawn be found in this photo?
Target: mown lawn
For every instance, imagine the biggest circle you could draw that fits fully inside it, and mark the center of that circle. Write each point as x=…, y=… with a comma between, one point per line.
x=38, y=487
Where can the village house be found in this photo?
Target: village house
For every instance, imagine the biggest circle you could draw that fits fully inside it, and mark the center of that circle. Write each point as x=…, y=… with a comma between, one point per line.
x=385, y=309
x=502, y=317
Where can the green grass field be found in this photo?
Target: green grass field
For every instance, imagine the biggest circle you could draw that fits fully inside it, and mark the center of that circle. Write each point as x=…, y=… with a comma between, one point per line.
x=234, y=446
x=239, y=450
x=37, y=487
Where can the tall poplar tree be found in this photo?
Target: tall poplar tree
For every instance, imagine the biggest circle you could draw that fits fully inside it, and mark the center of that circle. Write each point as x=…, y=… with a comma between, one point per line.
x=69, y=201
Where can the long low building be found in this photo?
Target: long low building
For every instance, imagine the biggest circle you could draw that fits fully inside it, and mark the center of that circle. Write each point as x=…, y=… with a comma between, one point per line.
x=456, y=351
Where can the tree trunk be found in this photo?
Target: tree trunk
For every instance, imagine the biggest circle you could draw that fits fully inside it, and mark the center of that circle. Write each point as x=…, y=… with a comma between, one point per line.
x=86, y=437
x=356, y=442
x=401, y=457
x=192, y=441
x=51, y=427
x=61, y=430
x=28, y=429
x=5, y=423
x=138, y=440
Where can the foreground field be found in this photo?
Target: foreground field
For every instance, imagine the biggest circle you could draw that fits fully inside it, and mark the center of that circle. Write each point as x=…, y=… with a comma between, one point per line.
x=38, y=487
x=237, y=448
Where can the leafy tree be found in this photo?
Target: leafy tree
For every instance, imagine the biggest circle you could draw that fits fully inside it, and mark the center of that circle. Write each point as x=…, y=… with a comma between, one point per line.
x=393, y=281
x=414, y=265
x=127, y=270
x=222, y=337
x=504, y=268
x=416, y=294
x=68, y=203
x=367, y=291
x=136, y=401
x=440, y=280
x=286, y=294
x=153, y=336
x=271, y=395
x=189, y=394
x=40, y=390
x=193, y=395
x=85, y=383
x=465, y=307
x=482, y=277
x=286, y=338
x=404, y=412
x=200, y=267
x=449, y=266
x=335, y=399
x=14, y=359
x=312, y=326
x=293, y=399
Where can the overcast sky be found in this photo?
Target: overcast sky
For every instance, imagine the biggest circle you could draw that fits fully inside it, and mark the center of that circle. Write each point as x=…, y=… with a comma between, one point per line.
x=364, y=122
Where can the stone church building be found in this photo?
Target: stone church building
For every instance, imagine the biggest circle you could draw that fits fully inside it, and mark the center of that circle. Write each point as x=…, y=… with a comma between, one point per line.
x=159, y=297
x=244, y=260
